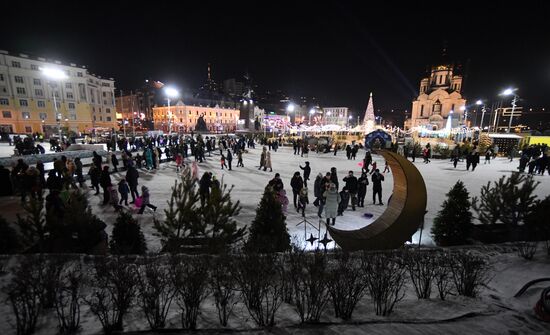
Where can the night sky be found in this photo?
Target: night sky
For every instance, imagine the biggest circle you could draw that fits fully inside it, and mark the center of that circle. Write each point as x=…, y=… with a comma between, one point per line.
x=336, y=52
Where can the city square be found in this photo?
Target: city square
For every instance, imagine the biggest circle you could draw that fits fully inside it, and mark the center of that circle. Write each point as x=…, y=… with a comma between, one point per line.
x=407, y=193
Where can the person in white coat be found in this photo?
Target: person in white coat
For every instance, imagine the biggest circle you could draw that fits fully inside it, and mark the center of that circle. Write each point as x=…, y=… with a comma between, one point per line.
x=332, y=199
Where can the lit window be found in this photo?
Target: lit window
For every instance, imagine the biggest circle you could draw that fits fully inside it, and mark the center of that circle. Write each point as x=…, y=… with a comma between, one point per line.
x=41, y=104
x=23, y=103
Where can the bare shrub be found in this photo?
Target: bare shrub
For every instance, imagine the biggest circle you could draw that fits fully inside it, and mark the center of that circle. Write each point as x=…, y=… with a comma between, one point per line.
x=260, y=282
x=25, y=295
x=113, y=290
x=156, y=291
x=469, y=272
x=527, y=249
x=385, y=278
x=346, y=284
x=190, y=276
x=68, y=296
x=422, y=267
x=224, y=286
x=442, y=276
x=308, y=276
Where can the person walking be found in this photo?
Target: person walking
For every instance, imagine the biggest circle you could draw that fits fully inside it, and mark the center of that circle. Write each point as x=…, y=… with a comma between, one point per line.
x=296, y=183
x=488, y=155
x=132, y=176
x=334, y=177
x=331, y=203
x=386, y=168
x=105, y=182
x=78, y=170
x=240, y=158
x=318, y=190
x=377, y=179
x=362, y=182
x=222, y=161
x=229, y=158
x=145, y=200
x=268, y=162
x=475, y=160
x=262, y=158
x=204, y=187
x=352, y=187
x=114, y=161
x=307, y=172
x=94, y=174
x=123, y=189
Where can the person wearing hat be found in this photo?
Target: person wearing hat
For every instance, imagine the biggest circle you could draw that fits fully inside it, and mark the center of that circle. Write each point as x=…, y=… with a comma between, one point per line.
x=332, y=199
x=307, y=172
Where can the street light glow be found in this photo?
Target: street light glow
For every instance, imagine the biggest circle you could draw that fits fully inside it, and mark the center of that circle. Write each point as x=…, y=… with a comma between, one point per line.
x=508, y=91
x=171, y=92
x=479, y=102
x=290, y=108
x=462, y=108
x=53, y=73
x=312, y=111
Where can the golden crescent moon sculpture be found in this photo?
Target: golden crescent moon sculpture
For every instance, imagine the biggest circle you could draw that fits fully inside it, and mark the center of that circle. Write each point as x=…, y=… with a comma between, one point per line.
x=402, y=218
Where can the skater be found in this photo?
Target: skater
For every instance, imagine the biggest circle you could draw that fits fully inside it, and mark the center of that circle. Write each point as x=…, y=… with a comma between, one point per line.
x=240, y=158
x=222, y=161
x=113, y=198
x=344, y=201
x=331, y=203
x=373, y=168
x=334, y=177
x=363, y=182
x=204, y=187
x=469, y=159
x=455, y=160
x=427, y=153
x=488, y=155
x=276, y=183
x=475, y=160
x=351, y=187
x=377, y=179
x=296, y=183
x=145, y=201
x=386, y=167
x=78, y=170
x=307, y=172
x=123, y=189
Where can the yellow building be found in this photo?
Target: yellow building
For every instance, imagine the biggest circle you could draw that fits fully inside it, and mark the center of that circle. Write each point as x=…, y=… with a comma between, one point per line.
x=439, y=97
x=184, y=118
x=84, y=101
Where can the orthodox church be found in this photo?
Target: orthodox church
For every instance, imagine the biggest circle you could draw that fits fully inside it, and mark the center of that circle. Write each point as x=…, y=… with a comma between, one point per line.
x=439, y=98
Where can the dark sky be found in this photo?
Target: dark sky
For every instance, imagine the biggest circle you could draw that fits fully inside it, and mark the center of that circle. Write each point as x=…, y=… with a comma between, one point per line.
x=338, y=52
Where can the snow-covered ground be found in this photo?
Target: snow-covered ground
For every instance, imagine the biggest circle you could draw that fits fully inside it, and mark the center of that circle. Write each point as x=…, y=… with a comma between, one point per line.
x=249, y=183
x=495, y=312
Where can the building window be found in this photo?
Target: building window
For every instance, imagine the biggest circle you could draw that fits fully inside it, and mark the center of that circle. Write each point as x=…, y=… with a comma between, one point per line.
x=104, y=102
x=25, y=115
x=34, y=67
x=421, y=110
x=453, y=107
x=108, y=110
x=37, y=82
x=72, y=117
x=21, y=90
x=23, y=103
x=71, y=105
x=104, y=94
x=6, y=114
x=1, y=77
x=95, y=118
x=58, y=104
x=41, y=104
x=100, y=118
x=106, y=84
x=39, y=92
x=108, y=118
x=19, y=79
x=43, y=116
x=28, y=129
x=70, y=95
x=79, y=74
x=68, y=85
x=15, y=64
x=4, y=102
x=56, y=94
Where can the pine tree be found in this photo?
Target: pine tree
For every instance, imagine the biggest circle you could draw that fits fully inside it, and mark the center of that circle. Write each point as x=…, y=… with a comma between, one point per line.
x=33, y=227
x=9, y=240
x=218, y=218
x=268, y=232
x=127, y=236
x=182, y=216
x=453, y=222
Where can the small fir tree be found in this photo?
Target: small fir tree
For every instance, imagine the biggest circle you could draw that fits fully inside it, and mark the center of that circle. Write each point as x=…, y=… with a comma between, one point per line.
x=453, y=222
x=127, y=236
x=268, y=232
x=33, y=227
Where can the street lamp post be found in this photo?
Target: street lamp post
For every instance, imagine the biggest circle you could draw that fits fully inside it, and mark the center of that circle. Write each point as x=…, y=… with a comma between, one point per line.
x=170, y=93
x=510, y=91
x=311, y=112
x=55, y=74
x=483, y=110
x=289, y=109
